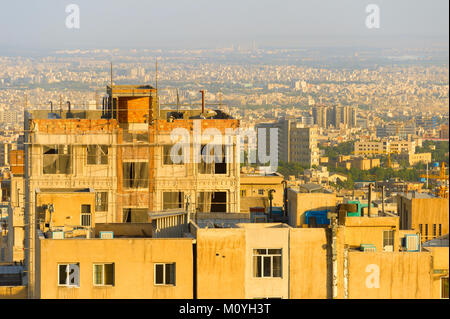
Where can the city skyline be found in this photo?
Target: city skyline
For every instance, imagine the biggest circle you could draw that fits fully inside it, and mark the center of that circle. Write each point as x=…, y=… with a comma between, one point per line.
x=176, y=24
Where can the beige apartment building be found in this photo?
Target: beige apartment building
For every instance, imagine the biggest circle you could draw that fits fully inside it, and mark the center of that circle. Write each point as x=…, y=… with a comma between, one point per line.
x=255, y=190
x=304, y=149
x=425, y=214
x=296, y=142
x=122, y=155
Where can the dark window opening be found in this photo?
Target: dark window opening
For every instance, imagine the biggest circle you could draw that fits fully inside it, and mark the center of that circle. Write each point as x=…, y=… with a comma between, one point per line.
x=56, y=159
x=97, y=154
x=135, y=215
x=210, y=162
x=173, y=200
x=212, y=202
x=167, y=158
x=135, y=174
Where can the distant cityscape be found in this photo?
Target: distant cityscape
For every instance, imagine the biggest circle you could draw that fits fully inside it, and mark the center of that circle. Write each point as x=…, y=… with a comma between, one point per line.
x=90, y=185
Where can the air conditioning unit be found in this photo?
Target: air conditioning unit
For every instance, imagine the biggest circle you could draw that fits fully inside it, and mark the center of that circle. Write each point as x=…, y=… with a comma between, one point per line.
x=368, y=248
x=57, y=235
x=411, y=242
x=388, y=248
x=106, y=235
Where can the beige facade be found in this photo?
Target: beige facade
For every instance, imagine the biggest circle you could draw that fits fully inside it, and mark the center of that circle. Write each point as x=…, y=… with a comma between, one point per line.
x=299, y=203
x=16, y=221
x=133, y=260
x=254, y=187
x=428, y=216
x=304, y=149
x=123, y=154
x=416, y=158
x=370, y=148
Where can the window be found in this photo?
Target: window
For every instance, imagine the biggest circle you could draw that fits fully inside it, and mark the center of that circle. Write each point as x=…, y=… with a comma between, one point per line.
x=426, y=231
x=86, y=215
x=101, y=201
x=388, y=240
x=266, y=262
x=434, y=230
x=444, y=287
x=97, y=154
x=165, y=274
x=212, y=202
x=212, y=163
x=69, y=275
x=135, y=174
x=440, y=230
x=135, y=215
x=420, y=228
x=56, y=159
x=104, y=274
x=243, y=193
x=260, y=191
x=167, y=159
x=173, y=200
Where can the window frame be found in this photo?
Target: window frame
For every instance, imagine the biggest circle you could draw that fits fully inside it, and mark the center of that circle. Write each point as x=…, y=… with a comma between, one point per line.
x=390, y=240
x=166, y=155
x=98, y=199
x=82, y=214
x=98, y=155
x=267, y=255
x=103, y=274
x=164, y=274
x=180, y=203
x=67, y=285
x=132, y=183
x=58, y=155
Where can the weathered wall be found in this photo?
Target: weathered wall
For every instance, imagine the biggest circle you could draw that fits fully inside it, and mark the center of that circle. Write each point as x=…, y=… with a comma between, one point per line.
x=134, y=267
x=401, y=275
x=267, y=237
x=62, y=209
x=369, y=230
x=221, y=263
x=308, y=263
x=299, y=203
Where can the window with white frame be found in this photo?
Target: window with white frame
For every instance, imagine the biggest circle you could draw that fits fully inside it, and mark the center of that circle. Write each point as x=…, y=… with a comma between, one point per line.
x=104, y=274
x=165, y=274
x=86, y=217
x=388, y=240
x=267, y=262
x=69, y=275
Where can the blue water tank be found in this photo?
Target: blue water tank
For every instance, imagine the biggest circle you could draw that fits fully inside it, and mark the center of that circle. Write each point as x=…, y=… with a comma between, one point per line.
x=423, y=180
x=278, y=211
x=320, y=215
x=436, y=164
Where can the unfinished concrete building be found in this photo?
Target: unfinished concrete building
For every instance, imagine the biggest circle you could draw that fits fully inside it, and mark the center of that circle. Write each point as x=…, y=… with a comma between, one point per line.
x=123, y=155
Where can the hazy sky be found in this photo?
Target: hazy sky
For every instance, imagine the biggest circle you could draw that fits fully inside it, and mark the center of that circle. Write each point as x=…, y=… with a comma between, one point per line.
x=40, y=24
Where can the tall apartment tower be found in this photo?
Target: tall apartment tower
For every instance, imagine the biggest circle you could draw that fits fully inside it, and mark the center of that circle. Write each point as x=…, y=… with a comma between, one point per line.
x=346, y=115
x=123, y=154
x=296, y=141
x=284, y=130
x=304, y=149
x=320, y=116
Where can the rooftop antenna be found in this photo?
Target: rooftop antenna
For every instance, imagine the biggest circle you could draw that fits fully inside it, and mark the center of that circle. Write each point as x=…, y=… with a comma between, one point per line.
x=111, y=75
x=60, y=105
x=156, y=75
